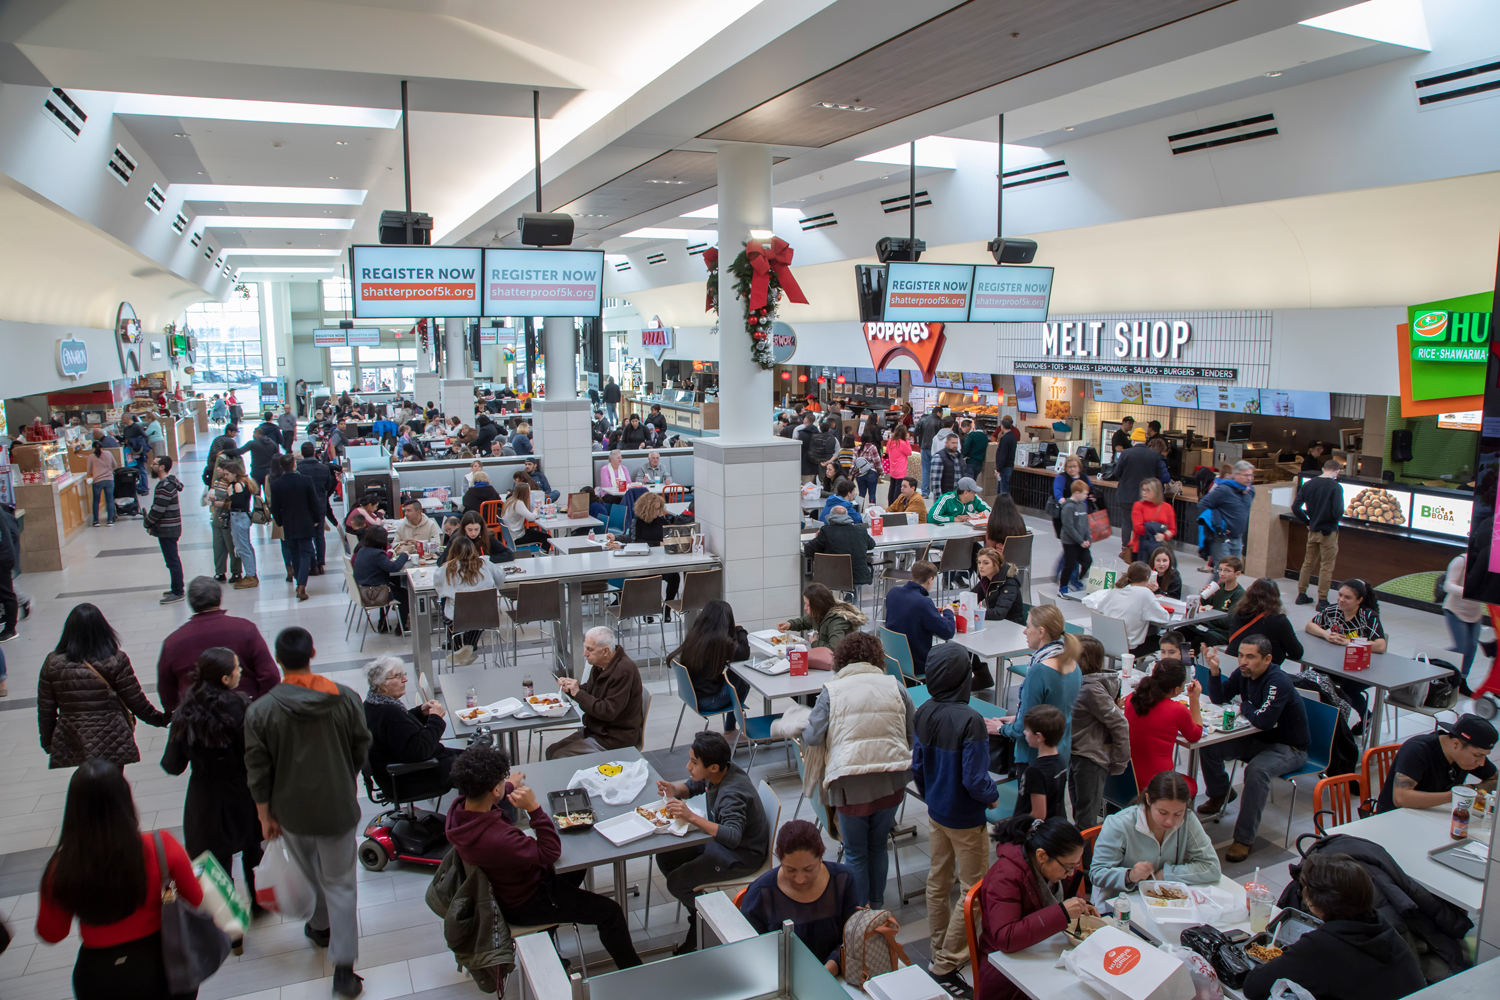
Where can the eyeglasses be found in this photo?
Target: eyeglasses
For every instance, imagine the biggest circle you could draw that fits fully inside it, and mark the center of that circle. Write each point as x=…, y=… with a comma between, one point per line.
x=1067, y=868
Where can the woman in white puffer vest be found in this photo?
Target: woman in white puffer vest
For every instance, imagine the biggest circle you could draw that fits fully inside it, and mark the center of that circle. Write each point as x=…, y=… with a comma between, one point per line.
x=864, y=718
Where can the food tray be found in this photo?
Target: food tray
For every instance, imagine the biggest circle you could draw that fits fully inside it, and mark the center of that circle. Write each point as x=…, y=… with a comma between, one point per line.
x=571, y=804
x=1286, y=927
x=1150, y=885
x=549, y=705
x=1088, y=924
x=775, y=643
x=676, y=827
x=1459, y=857
x=489, y=713
x=625, y=828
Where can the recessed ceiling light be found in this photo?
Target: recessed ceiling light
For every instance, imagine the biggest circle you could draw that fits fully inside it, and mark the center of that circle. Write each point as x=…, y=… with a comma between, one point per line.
x=1274, y=72
x=668, y=180
x=180, y=135
x=1067, y=128
x=835, y=106
x=340, y=142
x=333, y=177
x=277, y=222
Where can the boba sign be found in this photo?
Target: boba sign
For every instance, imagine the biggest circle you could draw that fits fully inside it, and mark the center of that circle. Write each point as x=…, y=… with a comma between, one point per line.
x=1441, y=335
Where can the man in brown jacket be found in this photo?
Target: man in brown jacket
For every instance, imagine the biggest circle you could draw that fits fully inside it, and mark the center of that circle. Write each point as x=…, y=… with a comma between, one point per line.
x=909, y=502
x=611, y=699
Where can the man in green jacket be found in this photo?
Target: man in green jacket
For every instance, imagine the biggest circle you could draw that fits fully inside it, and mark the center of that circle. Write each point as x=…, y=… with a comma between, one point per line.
x=963, y=504
x=305, y=741
x=976, y=448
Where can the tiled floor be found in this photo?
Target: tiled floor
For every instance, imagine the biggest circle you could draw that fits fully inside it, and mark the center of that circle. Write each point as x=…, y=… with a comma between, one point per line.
x=401, y=946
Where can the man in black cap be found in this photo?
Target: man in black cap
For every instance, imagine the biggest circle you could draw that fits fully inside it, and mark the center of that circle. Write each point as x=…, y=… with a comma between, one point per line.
x=1429, y=766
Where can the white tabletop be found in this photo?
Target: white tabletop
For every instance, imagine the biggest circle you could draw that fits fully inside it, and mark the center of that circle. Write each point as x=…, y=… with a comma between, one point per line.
x=897, y=536
x=563, y=522
x=586, y=566
x=1386, y=670
x=1407, y=835
x=1146, y=918
x=782, y=685
x=567, y=543
x=1036, y=972
x=995, y=640
x=649, y=487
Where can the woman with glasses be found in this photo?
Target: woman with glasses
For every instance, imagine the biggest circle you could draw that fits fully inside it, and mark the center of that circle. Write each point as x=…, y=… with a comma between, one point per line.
x=1029, y=893
x=401, y=735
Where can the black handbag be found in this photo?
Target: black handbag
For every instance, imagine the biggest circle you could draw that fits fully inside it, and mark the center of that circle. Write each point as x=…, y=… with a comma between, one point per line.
x=192, y=946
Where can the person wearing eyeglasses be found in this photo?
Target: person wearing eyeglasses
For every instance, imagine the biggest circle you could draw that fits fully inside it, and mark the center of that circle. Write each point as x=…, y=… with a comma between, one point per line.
x=401, y=735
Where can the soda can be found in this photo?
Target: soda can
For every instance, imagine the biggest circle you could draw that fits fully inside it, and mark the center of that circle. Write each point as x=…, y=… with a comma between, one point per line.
x=1229, y=718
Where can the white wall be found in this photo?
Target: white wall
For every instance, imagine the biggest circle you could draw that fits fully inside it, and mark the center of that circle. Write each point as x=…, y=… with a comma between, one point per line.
x=1336, y=350
x=31, y=357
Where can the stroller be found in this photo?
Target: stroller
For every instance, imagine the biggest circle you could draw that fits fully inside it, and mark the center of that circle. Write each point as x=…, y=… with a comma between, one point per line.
x=126, y=504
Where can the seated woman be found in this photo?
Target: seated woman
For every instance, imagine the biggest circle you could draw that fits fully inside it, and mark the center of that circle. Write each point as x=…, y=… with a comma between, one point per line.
x=519, y=867
x=480, y=493
x=399, y=735
x=1355, y=955
x=1157, y=719
x=650, y=518
x=378, y=576
x=465, y=571
x=1163, y=563
x=1158, y=837
x=817, y=896
x=1132, y=601
x=999, y=588
x=475, y=468
x=361, y=517
x=1029, y=893
x=830, y=617
x=489, y=543
x=713, y=642
x=520, y=519
x=1260, y=611
x=1355, y=615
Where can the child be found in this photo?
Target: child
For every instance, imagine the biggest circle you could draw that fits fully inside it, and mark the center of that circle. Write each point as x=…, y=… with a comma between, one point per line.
x=1075, y=535
x=1101, y=736
x=1046, y=778
x=1175, y=646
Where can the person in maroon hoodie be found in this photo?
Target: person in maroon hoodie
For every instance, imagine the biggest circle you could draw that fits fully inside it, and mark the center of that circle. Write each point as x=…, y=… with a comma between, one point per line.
x=519, y=868
x=1028, y=894
x=177, y=664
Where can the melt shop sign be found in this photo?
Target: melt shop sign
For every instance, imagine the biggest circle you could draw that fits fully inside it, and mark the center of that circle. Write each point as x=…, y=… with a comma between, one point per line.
x=1138, y=339
x=922, y=342
x=1439, y=335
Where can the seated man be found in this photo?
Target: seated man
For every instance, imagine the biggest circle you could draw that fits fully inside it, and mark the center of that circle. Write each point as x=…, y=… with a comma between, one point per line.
x=1270, y=703
x=963, y=504
x=841, y=496
x=611, y=699
x=399, y=735
x=910, y=611
x=519, y=867
x=841, y=536
x=415, y=527
x=736, y=821
x=653, y=471
x=533, y=467
x=909, y=502
x=1427, y=767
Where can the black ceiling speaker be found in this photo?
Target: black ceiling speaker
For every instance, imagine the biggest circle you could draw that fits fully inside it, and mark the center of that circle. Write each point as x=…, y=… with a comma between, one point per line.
x=546, y=229
x=889, y=248
x=1012, y=250
x=406, y=228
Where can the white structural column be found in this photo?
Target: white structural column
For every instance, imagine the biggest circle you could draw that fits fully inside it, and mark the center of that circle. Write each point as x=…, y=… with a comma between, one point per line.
x=560, y=354
x=458, y=391
x=745, y=391
x=429, y=382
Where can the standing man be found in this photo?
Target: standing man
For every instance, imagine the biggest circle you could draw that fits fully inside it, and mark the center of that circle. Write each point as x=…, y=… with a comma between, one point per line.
x=294, y=504
x=1270, y=703
x=612, y=401
x=1227, y=508
x=925, y=431
x=610, y=700
x=1005, y=453
x=269, y=428
x=305, y=743
x=164, y=522
x=976, y=446
x=1133, y=467
x=1120, y=440
x=321, y=476
x=287, y=424
x=300, y=391
x=9, y=606
x=1319, y=504
x=211, y=625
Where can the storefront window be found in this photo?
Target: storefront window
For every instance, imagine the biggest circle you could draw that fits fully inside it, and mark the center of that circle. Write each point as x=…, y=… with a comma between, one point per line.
x=343, y=380
x=335, y=295
x=369, y=379
x=341, y=355
x=229, y=344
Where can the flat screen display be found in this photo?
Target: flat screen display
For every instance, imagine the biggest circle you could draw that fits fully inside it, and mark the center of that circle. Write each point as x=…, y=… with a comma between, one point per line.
x=331, y=338
x=1466, y=420
x=978, y=380
x=402, y=282
x=888, y=376
x=1171, y=394
x=1444, y=515
x=1026, y=393
x=543, y=282
x=927, y=293
x=1288, y=403
x=1228, y=399
x=1010, y=294
x=364, y=336
x=1114, y=392
x=864, y=376
x=1376, y=505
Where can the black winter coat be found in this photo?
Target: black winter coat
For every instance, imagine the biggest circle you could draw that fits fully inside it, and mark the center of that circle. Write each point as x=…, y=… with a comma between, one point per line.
x=320, y=475
x=218, y=814
x=81, y=716
x=478, y=494
x=849, y=539
x=294, y=504
x=1002, y=596
x=405, y=736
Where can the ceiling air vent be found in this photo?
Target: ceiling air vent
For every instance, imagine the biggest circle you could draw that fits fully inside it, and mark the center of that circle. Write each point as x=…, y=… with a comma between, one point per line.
x=1458, y=85
x=180, y=224
x=220, y=261
x=696, y=248
x=1034, y=174
x=64, y=112
x=1227, y=134
x=622, y=265
x=121, y=165
x=197, y=238
x=817, y=222
x=901, y=203
x=657, y=258
x=208, y=253
x=155, y=199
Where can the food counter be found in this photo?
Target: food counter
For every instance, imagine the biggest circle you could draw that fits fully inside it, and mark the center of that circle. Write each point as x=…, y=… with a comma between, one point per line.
x=694, y=418
x=56, y=502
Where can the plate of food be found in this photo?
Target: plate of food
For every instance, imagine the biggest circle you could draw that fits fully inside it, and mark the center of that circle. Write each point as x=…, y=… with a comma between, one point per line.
x=656, y=814
x=571, y=809
x=489, y=713
x=1172, y=895
x=1078, y=931
x=549, y=705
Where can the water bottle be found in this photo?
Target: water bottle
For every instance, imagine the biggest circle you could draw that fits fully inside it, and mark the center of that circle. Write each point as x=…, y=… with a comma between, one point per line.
x=471, y=698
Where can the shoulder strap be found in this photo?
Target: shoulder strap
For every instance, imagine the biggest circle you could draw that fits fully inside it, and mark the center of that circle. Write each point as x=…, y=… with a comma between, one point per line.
x=106, y=683
x=164, y=881
x=1245, y=626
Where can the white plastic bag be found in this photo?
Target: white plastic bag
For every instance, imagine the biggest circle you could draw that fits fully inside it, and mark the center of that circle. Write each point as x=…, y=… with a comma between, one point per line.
x=280, y=884
x=1285, y=989
x=1205, y=979
x=1120, y=966
x=616, y=782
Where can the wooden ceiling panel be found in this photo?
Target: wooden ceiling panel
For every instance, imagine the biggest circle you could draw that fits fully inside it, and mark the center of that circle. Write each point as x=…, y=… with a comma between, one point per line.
x=977, y=45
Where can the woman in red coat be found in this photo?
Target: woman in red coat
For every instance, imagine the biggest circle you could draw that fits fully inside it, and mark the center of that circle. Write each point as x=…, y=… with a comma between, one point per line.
x=1151, y=508
x=1028, y=894
x=1156, y=719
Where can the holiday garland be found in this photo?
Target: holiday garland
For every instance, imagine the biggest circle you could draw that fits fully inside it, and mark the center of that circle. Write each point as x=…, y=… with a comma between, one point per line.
x=761, y=273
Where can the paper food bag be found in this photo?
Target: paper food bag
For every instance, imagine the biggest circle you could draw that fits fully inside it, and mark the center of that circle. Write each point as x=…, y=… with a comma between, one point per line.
x=1121, y=966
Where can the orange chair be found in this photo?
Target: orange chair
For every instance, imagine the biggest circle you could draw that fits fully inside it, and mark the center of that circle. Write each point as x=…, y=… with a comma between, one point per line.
x=673, y=494
x=490, y=511
x=1343, y=800
x=971, y=930
x=1089, y=837
x=739, y=896
x=1373, y=767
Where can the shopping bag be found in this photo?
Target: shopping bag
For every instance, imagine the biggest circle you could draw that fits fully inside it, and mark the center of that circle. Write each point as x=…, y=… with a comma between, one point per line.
x=1121, y=966
x=221, y=900
x=280, y=884
x=1099, y=527
x=1357, y=656
x=616, y=782
x=1100, y=578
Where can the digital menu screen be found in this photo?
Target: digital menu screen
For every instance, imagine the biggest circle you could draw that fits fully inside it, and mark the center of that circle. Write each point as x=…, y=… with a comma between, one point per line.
x=1025, y=393
x=1376, y=504
x=888, y=376
x=1444, y=515
x=1114, y=392
x=978, y=380
x=1285, y=403
x=1467, y=420
x=927, y=293
x=864, y=376
x=543, y=282
x=1228, y=399
x=1171, y=394
x=1010, y=294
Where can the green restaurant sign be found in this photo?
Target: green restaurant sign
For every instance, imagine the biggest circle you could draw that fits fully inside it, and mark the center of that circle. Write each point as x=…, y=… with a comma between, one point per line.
x=1450, y=344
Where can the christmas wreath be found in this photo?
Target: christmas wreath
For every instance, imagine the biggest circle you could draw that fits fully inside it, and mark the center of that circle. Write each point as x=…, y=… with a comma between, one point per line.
x=761, y=274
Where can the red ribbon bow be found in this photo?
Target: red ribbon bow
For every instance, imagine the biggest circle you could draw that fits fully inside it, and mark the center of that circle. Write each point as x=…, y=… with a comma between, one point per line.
x=763, y=261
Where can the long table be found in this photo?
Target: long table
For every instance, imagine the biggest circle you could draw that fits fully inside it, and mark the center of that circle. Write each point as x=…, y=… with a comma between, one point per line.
x=570, y=570
x=914, y=536
x=1386, y=671
x=1407, y=835
x=494, y=684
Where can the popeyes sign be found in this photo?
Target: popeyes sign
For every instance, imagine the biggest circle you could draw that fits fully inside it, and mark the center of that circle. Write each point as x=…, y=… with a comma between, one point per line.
x=922, y=342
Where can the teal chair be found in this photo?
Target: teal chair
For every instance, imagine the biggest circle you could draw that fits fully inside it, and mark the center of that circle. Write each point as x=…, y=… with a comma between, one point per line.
x=755, y=728
x=899, y=649
x=1321, y=720
x=614, y=519
x=689, y=698
x=1122, y=789
x=1005, y=808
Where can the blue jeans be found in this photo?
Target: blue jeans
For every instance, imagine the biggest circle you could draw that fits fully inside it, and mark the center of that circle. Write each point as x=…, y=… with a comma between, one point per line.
x=239, y=529
x=2, y=666
x=1004, y=476
x=1228, y=547
x=867, y=484
x=1465, y=638
x=722, y=700
x=298, y=555
x=1263, y=761
x=926, y=468
x=107, y=491
x=866, y=852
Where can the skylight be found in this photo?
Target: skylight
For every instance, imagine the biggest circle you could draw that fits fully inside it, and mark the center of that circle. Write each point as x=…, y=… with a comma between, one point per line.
x=272, y=222
x=255, y=111
x=650, y=233
x=932, y=151
x=1398, y=22
x=255, y=194
x=280, y=252
x=284, y=270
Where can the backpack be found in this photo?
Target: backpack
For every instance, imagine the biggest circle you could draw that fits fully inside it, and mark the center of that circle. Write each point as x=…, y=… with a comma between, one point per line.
x=870, y=947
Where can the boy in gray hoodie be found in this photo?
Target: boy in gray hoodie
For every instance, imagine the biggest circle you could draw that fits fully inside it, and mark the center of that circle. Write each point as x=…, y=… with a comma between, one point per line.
x=1075, y=535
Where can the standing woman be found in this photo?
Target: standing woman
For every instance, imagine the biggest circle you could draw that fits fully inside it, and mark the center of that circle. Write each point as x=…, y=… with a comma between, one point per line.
x=1052, y=679
x=1463, y=616
x=869, y=454
x=1153, y=520
x=242, y=492
x=208, y=732
x=105, y=873
x=897, y=451
x=101, y=471
x=1101, y=735
x=88, y=697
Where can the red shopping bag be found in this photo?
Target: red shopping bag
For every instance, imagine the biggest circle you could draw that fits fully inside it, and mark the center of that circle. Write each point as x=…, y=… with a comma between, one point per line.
x=1099, y=529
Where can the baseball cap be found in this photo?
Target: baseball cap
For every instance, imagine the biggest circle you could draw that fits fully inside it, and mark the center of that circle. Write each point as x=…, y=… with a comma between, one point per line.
x=1472, y=730
x=1124, y=419
x=967, y=485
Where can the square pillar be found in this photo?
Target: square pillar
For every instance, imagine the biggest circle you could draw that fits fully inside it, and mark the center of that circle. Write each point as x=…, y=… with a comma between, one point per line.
x=560, y=436
x=747, y=502
x=456, y=399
